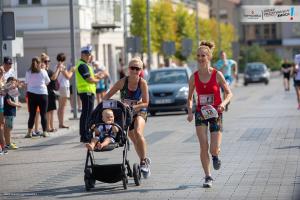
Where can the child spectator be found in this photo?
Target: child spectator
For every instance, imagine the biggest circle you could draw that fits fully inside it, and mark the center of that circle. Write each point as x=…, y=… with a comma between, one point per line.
x=10, y=106
x=106, y=132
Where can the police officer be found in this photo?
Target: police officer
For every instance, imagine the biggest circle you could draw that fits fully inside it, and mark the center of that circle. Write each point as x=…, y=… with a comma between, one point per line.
x=86, y=87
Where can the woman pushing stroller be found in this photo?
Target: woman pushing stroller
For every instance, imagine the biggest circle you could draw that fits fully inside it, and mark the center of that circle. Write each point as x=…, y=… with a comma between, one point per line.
x=134, y=92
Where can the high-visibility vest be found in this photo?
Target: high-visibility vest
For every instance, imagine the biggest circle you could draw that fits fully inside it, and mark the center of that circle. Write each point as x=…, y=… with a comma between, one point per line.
x=83, y=86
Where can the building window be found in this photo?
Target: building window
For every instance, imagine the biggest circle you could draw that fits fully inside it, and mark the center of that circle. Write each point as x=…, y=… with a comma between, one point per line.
x=36, y=1
x=257, y=31
x=23, y=2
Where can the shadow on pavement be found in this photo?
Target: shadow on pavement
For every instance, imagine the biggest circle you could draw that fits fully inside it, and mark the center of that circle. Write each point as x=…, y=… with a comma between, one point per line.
x=289, y=147
x=79, y=191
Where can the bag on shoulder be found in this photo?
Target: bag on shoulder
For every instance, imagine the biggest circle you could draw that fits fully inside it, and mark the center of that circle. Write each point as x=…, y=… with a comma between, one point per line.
x=56, y=85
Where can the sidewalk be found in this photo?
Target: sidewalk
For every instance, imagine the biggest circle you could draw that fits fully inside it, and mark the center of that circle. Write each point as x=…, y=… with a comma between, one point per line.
x=20, y=123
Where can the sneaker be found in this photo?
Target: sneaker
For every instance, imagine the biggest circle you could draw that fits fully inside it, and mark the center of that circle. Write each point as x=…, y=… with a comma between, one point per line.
x=145, y=167
x=11, y=146
x=28, y=135
x=45, y=134
x=36, y=133
x=216, y=162
x=208, y=182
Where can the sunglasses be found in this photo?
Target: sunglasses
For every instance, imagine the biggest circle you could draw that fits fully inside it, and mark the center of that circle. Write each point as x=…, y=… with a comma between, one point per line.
x=135, y=68
x=47, y=61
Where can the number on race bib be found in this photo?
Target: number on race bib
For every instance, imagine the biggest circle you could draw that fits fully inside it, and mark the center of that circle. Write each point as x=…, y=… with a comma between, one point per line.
x=209, y=112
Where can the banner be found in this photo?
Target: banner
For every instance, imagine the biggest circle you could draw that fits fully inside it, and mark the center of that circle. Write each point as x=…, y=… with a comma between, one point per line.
x=263, y=14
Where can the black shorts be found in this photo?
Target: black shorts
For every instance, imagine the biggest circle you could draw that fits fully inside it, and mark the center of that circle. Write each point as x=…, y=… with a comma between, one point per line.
x=286, y=75
x=51, y=102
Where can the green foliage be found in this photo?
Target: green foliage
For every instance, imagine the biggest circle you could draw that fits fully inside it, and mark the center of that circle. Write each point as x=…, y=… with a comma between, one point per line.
x=138, y=26
x=185, y=28
x=255, y=53
x=162, y=24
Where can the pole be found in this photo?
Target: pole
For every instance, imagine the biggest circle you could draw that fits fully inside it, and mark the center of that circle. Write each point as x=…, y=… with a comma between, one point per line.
x=1, y=37
x=73, y=55
x=125, y=31
x=197, y=24
x=219, y=28
x=148, y=36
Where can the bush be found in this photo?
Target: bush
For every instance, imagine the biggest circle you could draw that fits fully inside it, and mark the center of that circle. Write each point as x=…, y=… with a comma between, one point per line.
x=255, y=53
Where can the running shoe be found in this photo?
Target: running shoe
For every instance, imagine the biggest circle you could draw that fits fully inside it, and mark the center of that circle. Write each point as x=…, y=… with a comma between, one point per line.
x=28, y=135
x=208, y=182
x=216, y=162
x=11, y=146
x=145, y=167
x=298, y=107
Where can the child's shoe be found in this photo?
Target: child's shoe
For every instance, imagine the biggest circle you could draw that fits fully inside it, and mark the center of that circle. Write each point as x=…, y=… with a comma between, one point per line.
x=11, y=146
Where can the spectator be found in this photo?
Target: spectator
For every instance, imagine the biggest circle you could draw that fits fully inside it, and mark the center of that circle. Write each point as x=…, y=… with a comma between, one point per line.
x=10, y=106
x=37, y=80
x=86, y=86
x=64, y=88
x=51, y=94
x=103, y=85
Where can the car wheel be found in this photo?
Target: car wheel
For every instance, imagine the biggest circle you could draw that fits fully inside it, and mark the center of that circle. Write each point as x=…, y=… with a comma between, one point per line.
x=245, y=83
x=152, y=113
x=266, y=82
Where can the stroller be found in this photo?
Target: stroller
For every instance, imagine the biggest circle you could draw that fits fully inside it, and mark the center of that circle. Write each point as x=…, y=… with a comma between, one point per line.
x=111, y=173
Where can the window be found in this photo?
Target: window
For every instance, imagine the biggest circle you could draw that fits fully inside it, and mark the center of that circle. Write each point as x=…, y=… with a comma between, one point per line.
x=36, y=1
x=23, y=2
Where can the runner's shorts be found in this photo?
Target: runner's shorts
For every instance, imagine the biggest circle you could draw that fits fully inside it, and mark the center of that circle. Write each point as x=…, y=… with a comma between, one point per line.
x=215, y=124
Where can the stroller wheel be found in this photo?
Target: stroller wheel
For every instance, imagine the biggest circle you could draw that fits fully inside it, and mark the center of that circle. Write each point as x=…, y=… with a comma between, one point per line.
x=137, y=174
x=125, y=182
x=89, y=179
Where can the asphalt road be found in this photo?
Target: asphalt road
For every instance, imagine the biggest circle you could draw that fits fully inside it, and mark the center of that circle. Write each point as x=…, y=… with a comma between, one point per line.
x=260, y=156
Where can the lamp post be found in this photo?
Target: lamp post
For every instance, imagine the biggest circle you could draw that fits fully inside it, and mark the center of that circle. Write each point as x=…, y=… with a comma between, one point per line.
x=72, y=43
x=125, y=31
x=197, y=24
x=148, y=36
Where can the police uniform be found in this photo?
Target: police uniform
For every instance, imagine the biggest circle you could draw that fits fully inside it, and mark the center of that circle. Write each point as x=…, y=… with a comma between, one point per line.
x=86, y=91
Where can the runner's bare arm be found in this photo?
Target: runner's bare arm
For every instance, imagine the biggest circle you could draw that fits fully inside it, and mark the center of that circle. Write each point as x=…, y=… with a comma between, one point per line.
x=227, y=91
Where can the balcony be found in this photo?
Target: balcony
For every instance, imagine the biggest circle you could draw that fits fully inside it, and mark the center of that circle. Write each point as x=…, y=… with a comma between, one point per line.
x=107, y=14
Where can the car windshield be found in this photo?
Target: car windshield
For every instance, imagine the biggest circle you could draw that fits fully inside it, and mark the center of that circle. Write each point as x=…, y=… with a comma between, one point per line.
x=168, y=76
x=255, y=68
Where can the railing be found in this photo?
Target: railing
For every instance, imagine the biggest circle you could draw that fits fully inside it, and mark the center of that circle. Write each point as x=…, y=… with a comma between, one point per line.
x=107, y=14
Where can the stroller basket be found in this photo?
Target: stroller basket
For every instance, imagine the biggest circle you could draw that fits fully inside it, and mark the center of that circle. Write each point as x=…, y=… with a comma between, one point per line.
x=111, y=173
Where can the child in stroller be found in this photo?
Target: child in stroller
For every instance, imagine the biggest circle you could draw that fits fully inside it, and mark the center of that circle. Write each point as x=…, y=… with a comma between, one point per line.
x=106, y=133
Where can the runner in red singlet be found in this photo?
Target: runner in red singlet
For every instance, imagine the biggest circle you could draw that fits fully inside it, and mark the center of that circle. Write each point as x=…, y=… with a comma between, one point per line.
x=207, y=81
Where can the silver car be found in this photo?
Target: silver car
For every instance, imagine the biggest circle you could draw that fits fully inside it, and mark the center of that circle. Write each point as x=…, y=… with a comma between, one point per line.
x=256, y=72
x=168, y=89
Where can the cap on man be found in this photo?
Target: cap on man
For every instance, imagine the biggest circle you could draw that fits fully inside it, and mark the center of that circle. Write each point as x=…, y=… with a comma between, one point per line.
x=87, y=49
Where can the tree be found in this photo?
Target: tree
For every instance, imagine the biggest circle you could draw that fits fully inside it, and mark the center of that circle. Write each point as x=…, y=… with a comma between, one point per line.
x=256, y=53
x=162, y=24
x=138, y=26
x=185, y=28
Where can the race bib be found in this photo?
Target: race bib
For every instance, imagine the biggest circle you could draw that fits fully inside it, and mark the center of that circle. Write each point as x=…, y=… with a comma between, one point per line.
x=206, y=99
x=109, y=104
x=209, y=112
x=130, y=102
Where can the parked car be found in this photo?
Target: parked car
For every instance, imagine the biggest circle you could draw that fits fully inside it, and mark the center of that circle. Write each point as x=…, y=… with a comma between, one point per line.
x=168, y=89
x=256, y=72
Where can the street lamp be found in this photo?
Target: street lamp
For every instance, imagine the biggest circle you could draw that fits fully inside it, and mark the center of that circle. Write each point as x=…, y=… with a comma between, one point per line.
x=148, y=36
x=72, y=43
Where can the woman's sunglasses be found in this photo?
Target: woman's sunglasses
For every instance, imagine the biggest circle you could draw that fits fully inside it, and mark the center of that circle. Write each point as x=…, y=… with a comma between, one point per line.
x=135, y=68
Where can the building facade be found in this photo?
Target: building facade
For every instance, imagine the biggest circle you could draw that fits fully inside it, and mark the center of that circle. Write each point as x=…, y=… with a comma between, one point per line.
x=45, y=27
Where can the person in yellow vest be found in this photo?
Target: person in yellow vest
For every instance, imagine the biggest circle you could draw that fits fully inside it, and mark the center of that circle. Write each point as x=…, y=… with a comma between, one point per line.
x=86, y=86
